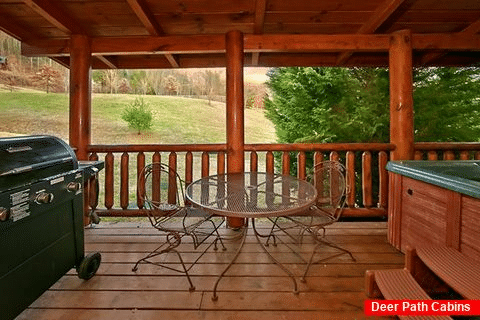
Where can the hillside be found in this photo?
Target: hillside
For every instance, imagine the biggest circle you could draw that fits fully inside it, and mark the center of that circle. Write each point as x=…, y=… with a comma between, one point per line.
x=176, y=119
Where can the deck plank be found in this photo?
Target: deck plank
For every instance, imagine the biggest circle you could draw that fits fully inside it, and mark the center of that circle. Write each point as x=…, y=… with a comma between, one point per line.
x=254, y=288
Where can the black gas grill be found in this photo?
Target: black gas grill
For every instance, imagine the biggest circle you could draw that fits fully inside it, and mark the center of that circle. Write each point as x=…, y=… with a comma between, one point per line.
x=41, y=218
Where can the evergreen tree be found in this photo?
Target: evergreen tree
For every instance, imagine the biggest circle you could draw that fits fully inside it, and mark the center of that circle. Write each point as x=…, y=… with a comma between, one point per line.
x=352, y=105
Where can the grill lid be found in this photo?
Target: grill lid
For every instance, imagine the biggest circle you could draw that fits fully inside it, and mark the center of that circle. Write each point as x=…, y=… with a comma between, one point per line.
x=24, y=160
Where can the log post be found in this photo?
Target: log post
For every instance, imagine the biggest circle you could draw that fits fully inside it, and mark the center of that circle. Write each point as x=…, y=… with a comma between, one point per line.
x=80, y=95
x=401, y=95
x=235, y=108
x=401, y=117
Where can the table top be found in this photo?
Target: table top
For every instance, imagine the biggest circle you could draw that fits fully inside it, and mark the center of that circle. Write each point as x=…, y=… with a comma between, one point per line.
x=251, y=194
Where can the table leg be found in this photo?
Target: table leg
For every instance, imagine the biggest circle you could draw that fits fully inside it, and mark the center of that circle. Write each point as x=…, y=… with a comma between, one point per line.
x=278, y=263
x=237, y=253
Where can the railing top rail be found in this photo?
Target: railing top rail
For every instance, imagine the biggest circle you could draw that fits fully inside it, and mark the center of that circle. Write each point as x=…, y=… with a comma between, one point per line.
x=248, y=147
x=157, y=148
x=447, y=146
x=321, y=147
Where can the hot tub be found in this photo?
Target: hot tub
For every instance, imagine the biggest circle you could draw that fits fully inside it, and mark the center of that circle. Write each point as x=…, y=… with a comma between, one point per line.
x=435, y=202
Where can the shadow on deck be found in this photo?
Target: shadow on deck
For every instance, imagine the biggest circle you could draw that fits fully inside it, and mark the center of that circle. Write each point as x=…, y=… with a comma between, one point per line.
x=254, y=288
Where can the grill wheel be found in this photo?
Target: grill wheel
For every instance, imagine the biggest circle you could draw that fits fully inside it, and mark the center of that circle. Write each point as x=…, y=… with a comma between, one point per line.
x=89, y=265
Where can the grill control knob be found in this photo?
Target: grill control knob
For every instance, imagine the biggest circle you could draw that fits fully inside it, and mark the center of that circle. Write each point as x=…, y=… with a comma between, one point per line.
x=3, y=214
x=44, y=197
x=73, y=186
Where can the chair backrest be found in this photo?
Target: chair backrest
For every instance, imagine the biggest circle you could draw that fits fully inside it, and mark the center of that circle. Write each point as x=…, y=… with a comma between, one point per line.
x=329, y=178
x=160, y=191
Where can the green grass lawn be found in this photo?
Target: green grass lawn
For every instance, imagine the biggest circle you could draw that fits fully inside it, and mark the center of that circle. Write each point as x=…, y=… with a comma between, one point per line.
x=176, y=120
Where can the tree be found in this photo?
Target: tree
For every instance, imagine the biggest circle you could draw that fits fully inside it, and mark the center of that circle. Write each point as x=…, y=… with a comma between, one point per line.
x=112, y=79
x=254, y=95
x=171, y=85
x=352, y=105
x=328, y=104
x=49, y=78
x=447, y=104
x=138, y=115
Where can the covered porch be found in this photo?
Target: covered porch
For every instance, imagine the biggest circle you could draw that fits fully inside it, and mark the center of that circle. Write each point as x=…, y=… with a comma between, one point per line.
x=254, y=288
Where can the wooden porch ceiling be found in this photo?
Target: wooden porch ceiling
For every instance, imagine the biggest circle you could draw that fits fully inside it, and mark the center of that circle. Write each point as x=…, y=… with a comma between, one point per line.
x=190, y=33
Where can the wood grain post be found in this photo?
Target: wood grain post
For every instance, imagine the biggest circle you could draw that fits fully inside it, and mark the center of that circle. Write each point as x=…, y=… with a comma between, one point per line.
x=401, y=95
x=235, y=108
x=80, y=94
x=401, y=120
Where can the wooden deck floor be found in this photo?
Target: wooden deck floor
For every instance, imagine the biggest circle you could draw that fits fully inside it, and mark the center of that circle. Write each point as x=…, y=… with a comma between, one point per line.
x=254, y=287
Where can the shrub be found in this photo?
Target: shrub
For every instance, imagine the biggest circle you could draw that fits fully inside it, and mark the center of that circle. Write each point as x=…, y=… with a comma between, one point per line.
x=138, y=115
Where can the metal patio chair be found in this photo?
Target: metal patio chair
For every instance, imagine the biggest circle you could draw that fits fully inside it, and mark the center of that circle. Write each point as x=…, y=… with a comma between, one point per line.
x=161, y=189
x=329, y=178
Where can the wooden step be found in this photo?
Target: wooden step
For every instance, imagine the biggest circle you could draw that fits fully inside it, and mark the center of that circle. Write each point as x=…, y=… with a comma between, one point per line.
x=397, y=284
x=458, y=271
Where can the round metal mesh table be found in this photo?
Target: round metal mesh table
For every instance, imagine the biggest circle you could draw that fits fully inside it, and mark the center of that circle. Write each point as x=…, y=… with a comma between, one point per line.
x=251, y=194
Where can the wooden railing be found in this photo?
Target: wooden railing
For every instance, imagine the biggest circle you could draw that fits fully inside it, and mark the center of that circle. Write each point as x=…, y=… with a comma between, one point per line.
x=365, y=163
x=447, y=151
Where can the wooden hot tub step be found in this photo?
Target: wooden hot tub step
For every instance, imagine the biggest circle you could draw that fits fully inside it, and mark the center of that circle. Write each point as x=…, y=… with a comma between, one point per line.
x=396, y=284
x=458, y=271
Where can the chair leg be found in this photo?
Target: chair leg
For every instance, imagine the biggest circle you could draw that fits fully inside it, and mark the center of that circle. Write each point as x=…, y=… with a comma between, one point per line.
x=192, y=287
x=321, y=242
x=152, y=254
x=271, y=234
x=173, y=241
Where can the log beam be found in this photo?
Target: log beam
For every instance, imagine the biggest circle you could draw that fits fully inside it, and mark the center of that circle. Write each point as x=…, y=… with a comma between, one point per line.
x=253, y=43
x=383, y=12
x=401, y=95
x=235, y=108
x=13, y=28
x=80, y=95
x=471, y=30
x=141, y=10
x=106, y=61
x=55, y=15
x=260, y=7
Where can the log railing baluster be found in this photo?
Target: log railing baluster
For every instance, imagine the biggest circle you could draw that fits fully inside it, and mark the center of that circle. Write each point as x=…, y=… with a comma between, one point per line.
x=350, y=166
x=418, y=155
x=432, y=155
x=302, y=165
x=156, y=188
x=205, y=164
x=270, y=162
x=140, y=183
x=172, y=178
x=367, y=179
x=124, y=192
x=464, y=155
x=334, y=156
x=383, y=180
x=188, y=168
x=109, y=180
x=318, y=158
x=448, y=155
x=285, y=162
x=220, y=162
x=92, y=192
x=253, y=161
